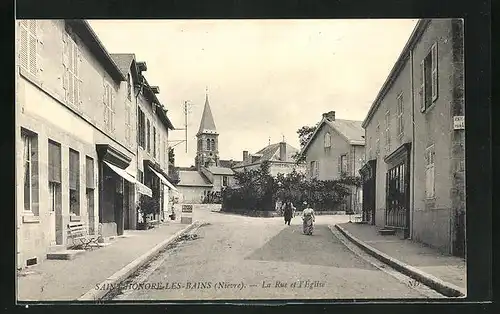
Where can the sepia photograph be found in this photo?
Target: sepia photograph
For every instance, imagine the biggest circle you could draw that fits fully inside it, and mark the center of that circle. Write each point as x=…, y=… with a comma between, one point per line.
x=240, y=159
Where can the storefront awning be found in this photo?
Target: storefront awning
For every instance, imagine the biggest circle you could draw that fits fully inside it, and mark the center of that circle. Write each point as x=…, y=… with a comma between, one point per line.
x=141, y=188
x=163, y=179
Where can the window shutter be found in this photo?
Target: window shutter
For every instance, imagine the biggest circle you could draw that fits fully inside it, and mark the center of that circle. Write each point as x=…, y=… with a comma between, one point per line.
x=65, y=83
x=434, y=72
x=54, y=162
x=70, y=87
x=339, y=165
x=23, y=43
x=73, y=170
x=432, y=185
x=65, y=40
x=112, y=111
x=32, y=47
x=422, y=86
x=39, y=38
x=89, y=167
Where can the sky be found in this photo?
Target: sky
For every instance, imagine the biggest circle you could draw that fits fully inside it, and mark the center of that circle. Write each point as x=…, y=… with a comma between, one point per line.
x=265, y=78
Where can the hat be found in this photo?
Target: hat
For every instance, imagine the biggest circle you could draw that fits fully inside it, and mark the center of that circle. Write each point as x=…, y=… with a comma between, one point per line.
x=305, y=203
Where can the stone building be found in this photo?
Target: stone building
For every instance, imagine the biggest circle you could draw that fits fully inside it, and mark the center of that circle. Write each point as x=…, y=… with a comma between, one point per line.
x=211, y=174
x=414, y=177
x=336, y=147
x=280, y=158
x=75, y=137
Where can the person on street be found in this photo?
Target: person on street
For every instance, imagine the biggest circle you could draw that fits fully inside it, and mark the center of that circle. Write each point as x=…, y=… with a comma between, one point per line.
x=308, y=219
x=288, y=212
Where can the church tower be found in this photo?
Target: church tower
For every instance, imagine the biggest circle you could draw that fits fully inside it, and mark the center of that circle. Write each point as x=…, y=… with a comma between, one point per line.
x=207, y=152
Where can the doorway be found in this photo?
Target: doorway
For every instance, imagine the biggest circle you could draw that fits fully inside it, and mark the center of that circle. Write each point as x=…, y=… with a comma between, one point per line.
x=55, y=214
x=119, y=217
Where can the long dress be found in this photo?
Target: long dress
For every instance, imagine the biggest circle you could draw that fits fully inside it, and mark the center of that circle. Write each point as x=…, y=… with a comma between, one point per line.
x=308, y=220
x=288, y=213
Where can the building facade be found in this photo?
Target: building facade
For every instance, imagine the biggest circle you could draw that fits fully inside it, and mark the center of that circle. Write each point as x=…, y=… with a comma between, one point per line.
x=75, y=148
x=280, y=158
x=414, y=178
x=335, y=148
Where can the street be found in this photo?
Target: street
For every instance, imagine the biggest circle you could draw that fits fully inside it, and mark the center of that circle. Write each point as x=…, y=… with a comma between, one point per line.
x=235, y=257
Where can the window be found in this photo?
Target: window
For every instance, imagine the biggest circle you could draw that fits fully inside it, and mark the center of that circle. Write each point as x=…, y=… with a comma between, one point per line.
x=148, y=135
x=89, y=167
x=54, y=162
x=140, y=176
x=400, y=115
x=213, y=144
x=429, y=172
x=30, y=165
x=343, y=164
x=129, y=87
x=109, y=112
x=128, y=124
x=141, y=134
x=224, y=181
x=429, y=79
x=28, y=45
x=208, y=144
x=377, y=144
x=388, y=130
x=154, y=142
x=314, y=168
x=71, y=67
x=74, y=182
x=328, y=140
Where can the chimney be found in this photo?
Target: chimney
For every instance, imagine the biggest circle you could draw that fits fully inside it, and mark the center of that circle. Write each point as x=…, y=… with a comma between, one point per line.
x=155, y=89
x=329, y=115
x=283, y=151
x=245, y=155
x=141, y=66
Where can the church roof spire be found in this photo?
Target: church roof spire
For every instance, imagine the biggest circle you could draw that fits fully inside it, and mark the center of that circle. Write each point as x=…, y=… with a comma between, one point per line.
x=207, y=124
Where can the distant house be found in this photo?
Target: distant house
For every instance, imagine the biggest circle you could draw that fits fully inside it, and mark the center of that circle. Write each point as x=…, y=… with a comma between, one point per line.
x=279, y=155
x=210, y=174
x=337, y=146
x=414, y=178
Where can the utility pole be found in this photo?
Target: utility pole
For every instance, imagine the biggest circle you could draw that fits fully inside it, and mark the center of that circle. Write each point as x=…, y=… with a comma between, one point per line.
x=186, y=106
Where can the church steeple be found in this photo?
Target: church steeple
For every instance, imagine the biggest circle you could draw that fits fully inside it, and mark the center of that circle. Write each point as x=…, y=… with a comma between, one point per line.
x=207, y=153
x=207, y=124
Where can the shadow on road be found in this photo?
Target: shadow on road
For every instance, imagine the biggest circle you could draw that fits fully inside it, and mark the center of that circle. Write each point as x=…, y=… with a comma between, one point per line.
x=322, y=248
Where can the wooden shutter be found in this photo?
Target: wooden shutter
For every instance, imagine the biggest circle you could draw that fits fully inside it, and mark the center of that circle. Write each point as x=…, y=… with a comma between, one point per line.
x=422, y=86
x=105, y=104
x=74, y=169
x=112, y=111
x=434, y=72
x=39, y=40
x=23, y=44
x=54, y=162
x=32, y=47
x=339, y=167
x=89, y=168
x=76, y=72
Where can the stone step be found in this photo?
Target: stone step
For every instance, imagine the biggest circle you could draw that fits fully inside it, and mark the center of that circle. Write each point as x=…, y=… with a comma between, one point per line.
x=387, y=231
x=64, y=254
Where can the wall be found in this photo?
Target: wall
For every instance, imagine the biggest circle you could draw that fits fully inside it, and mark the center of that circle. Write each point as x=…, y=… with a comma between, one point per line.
x=41, y=108
x=435, y=126
x=286, y=168
x=328, y=159
x=401, y=85
x=192, y=194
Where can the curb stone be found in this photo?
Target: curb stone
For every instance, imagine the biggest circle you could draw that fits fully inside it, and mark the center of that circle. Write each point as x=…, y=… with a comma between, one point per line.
x=125, y=272
x=433, y=282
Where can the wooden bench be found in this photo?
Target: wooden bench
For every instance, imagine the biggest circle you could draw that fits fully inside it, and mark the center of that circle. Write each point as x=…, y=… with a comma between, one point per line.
x=77, y=232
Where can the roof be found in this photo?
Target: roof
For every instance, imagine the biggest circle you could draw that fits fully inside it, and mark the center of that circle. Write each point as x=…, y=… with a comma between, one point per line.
x=270, y=153
x=398, y=66
x=228, y=163
x=193, y=178
x=350, y=130
x=123, y=61
x=89, y=37
x=220, y=170
x=161, y=111
x=207, y=120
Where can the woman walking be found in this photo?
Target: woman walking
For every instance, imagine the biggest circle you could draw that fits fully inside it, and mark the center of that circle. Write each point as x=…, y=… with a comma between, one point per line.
x=288, y=212
x=308, y=220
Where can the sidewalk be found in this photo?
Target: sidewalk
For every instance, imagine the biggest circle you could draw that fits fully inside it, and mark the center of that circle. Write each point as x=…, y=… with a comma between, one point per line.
x=447, y=268
x=69, y=279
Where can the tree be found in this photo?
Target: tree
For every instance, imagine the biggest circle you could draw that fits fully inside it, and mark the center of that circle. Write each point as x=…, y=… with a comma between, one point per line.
x=171, y=155
x=305, y=134
x=148, y=205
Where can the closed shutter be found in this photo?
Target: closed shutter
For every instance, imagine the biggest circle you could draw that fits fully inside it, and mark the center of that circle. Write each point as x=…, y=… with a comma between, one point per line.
x=105, y=105
x=89, y=176
x=54, y=162
x=39, y=39
x=32, y=47
x=422, y=86
x=74, y=170
x=23, y=44
x=339, y=167
x=76, y=75
x=434, y=72
x=112, y=111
